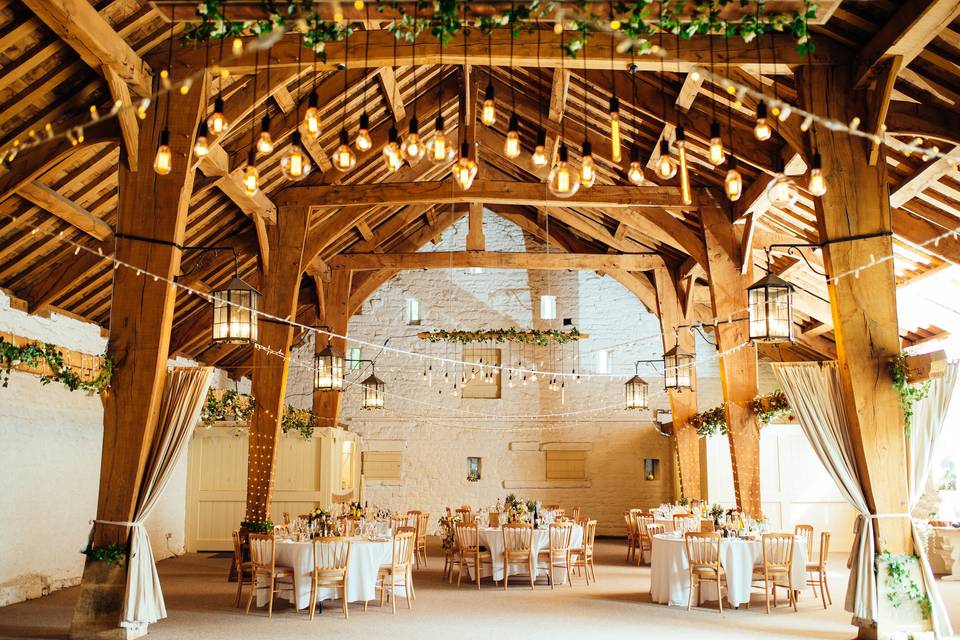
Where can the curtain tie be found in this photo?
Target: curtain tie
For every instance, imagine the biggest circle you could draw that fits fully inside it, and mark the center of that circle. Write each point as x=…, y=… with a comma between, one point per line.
x=137, y=523
x=876, y=516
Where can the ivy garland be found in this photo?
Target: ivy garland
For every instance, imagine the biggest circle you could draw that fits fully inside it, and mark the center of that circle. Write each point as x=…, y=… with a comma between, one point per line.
x=112, y=553
x=257, y=526
x=765, y=408
x=229, y=405
x=909, y=394
x=630, y=19
x=901, y=584
x=35, y=354
x=520, y=336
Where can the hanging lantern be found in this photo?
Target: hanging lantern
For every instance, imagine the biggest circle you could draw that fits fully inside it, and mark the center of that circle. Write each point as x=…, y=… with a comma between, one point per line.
x=677, y=369
x=770, y=305
x=373, y=392
x=235, y=313
x=637, y=393
x=328, y=370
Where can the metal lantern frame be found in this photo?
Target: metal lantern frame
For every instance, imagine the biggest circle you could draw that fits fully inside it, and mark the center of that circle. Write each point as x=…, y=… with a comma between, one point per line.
x=328, y=368
x=373, y=392
x=770, y=309
x=637, y=392
x=235, y=307
x=678, y=369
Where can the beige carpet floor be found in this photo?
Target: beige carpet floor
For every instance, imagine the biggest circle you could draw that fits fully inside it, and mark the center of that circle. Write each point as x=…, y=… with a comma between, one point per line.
x=200, y=605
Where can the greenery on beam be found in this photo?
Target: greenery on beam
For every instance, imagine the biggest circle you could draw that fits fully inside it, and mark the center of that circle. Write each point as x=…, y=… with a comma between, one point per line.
x=37, y=354
x=901, y=586
x=112, y=553
x=520, y=336
x=766, y=408
x=909, y=394
x=629, y=20
x=230, y=406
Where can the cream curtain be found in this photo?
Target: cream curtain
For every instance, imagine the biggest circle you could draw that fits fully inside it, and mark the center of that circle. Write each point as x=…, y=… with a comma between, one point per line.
x=814, y=392
x=929, y=416
x=184, y=394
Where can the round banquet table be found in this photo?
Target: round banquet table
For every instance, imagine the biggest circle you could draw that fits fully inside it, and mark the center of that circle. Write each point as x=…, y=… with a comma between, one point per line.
x=670, y=575
x=366, y=558
x=492, y=539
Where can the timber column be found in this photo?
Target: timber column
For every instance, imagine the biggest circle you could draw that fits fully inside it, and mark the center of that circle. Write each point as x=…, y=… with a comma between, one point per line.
x=326, y=404
x=738, y=370
x=151, y=207
x=683, y=403
x=281, y=289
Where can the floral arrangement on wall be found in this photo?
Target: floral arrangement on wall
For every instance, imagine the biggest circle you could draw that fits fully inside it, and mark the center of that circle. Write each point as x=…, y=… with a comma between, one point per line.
x=540, y=337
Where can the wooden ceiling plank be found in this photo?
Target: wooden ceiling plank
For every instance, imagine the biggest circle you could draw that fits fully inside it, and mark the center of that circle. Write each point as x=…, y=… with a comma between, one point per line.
x=497, y=260
x=66, y=209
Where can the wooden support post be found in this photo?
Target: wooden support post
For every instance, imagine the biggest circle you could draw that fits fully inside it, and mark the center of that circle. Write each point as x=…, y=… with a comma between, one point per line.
x=475, y=240
x=864, y=307
x=683, y=403
x=326, y=404
x=141, y=318
x=738, y=370
x=281, y=289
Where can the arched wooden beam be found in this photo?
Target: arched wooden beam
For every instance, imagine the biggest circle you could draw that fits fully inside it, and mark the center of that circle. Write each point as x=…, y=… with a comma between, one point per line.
x=924, y=120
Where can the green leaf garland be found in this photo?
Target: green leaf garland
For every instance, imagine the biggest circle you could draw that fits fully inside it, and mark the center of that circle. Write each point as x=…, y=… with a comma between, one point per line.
x=230, y=406
x=36, y=354
x=765, y=408
x=908, y=394
x=540, y=337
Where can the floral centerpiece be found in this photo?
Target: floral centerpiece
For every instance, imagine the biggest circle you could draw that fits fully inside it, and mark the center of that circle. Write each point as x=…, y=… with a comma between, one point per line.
x=518, y=509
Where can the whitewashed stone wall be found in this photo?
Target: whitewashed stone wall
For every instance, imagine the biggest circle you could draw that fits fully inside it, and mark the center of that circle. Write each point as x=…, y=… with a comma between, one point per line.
x=436, y=431
x=50, y=443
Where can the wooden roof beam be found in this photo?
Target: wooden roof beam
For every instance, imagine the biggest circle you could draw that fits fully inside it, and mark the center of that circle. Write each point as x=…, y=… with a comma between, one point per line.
x=497, y=260
x=387, y=76
x=559, y=90
x=66, y=209
x=931, y=172
x=492, y=191
x=906, y=34
x=684, y=100
x=96, y=42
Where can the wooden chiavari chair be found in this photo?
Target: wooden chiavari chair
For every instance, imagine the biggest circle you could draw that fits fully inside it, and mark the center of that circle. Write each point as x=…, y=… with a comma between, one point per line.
x=685, y=522
x=557, y=554
x=349, y=526
x=493, y=519
x=420, y=547
x=777, y=563
x=703, y=556
x=805, y=531
x=518, y=550
x=819, y=568
x=263, y=563
x=632, y=536
x=398, y=520
x=576, y=513
x=400, y=570
x=330, y=558
x=244, y=569
x=644, y=545
x=466, y=515
x=468, y=545
x=582, y=557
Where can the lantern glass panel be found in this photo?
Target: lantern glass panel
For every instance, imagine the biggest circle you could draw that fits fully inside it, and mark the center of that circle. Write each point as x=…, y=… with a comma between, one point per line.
x=234, y=313
x=677, y=370
x=771, y=311
x=328, y=370
x=373, y=392
x=637, y=393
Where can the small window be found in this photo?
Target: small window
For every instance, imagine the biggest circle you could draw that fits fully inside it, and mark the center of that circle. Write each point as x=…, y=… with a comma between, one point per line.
x=381, y=465
x=548, y=307
x=566, y=465
x=354, y=356
x=473, y=469
x=603, y=361
x=651, y=469
x=413, y=311
x=483, y=379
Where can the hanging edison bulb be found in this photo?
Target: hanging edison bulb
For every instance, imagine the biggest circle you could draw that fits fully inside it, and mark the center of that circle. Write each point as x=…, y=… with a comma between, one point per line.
x=201, y=146
x=762, y=129
x=163, y=163
x=563, y=180
x=344, y=158
x=217, y=123
x=818, y=184
x=251, y=177
x=615, y=153
x=295, y=164
x=391, y=151
x=265, y=142
x=733, y=182
x=781, y=191
x=466, y=168
x=666, y=165
x=635, y=172
x=363, y=141
x=511, y=146
x=488, y=114
x=588, y=169
x=311, y=119
x=717, y=155
x=685, y=196
x=440, y=149
x=539, y=157
x=413, y=147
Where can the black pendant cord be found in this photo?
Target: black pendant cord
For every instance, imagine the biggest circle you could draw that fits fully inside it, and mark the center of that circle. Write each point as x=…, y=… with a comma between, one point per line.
x=663, y=95
x=166, y=117
x=220, y=73
x=253, y=107
x=584, y=79
x=346, y=60
x=733, y=158
x=513, y=90
x=413, y=54
x=539, y=86
x=366, y=61
x=299, y=74
x=468, y=108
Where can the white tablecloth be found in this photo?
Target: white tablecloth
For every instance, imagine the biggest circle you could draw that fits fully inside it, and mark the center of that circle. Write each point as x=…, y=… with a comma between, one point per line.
x=670, y=576
x=366, y=558
x=492, y=539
